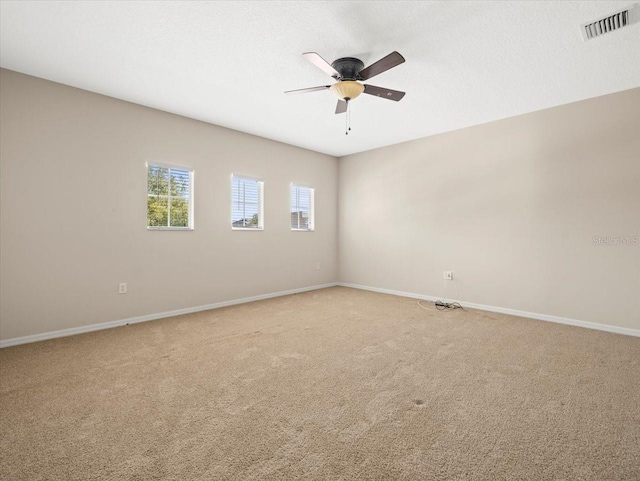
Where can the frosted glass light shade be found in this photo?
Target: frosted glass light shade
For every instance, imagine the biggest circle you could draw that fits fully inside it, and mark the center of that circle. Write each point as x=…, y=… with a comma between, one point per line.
x=347, y=89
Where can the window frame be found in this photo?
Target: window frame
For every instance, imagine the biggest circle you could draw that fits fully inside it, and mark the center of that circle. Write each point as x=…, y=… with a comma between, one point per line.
x=260, y=182
x=191, y=220
x=312, y=208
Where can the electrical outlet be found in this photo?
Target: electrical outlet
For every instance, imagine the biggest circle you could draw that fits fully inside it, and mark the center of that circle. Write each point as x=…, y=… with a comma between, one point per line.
x=122, y=288
x=318, y=266
x=448, y=275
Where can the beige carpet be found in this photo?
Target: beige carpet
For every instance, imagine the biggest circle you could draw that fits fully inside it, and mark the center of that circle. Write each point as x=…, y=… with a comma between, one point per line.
x=337, y=384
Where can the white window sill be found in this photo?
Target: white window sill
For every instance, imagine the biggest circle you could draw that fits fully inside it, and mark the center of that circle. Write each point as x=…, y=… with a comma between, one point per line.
x=248, y=228
x=170, y=228
x=302, y=230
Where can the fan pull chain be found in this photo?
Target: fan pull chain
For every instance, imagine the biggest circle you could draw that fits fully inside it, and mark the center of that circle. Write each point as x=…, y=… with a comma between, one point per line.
x=347, y=119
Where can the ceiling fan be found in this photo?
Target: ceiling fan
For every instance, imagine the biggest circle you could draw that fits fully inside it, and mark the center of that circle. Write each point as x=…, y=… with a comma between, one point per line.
x=349, y=72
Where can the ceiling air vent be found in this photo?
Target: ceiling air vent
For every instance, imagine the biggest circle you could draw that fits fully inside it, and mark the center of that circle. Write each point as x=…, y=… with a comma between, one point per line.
x=610, y=23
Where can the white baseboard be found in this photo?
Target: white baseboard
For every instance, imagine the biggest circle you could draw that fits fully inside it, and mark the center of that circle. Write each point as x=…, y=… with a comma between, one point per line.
x=151, y=317
x=531, y=315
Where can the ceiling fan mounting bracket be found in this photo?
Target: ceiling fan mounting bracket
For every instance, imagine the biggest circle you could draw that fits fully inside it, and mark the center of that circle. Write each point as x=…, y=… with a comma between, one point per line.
x=348, y=68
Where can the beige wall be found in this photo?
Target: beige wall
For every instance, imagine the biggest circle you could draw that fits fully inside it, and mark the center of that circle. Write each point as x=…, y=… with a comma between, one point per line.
x=511, y=207
x=73, y=212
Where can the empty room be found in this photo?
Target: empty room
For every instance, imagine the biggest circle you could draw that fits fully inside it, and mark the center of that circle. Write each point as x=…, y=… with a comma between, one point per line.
x=319, y=240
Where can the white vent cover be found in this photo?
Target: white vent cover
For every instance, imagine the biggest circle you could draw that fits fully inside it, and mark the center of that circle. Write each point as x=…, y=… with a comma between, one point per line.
x=610, y=23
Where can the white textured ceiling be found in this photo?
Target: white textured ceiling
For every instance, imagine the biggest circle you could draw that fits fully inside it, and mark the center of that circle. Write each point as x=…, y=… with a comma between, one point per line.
x=229, y=63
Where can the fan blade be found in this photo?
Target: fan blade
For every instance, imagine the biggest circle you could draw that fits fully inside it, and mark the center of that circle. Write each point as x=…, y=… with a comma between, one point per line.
x=383, y=93
x=392, y=60
x=321, y=63
x=310, y=89
x=341, y=108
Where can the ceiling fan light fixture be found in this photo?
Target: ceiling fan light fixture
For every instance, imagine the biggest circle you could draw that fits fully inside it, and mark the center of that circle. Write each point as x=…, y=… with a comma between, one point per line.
x=347, y=89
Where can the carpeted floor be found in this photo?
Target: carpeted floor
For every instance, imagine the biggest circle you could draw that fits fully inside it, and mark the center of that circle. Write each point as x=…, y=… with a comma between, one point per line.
x=337, y=384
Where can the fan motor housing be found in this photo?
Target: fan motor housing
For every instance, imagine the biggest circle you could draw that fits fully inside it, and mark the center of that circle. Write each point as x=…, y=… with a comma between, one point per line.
x=348, y=67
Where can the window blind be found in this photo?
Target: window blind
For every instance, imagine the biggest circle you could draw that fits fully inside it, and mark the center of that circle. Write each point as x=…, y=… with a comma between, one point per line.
x=246, y=203
x=302, y=207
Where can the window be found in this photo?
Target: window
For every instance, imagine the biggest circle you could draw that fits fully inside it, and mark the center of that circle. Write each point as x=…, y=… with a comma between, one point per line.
x=169, y=197
x=301, y=208
x=247, y=203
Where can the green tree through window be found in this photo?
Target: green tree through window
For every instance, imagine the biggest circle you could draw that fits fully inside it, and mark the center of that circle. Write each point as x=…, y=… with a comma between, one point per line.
x=169, y=194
